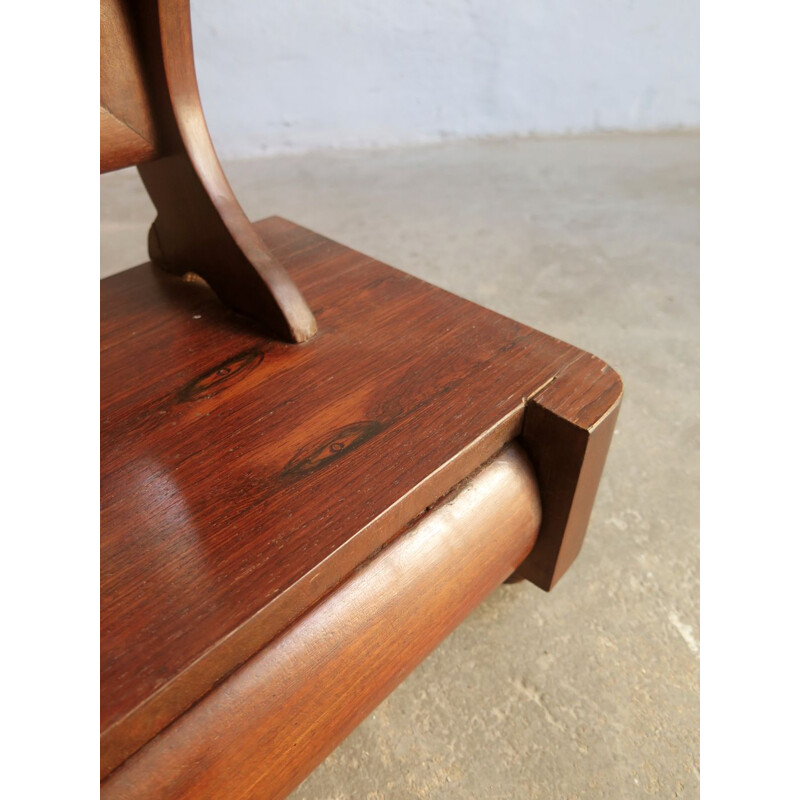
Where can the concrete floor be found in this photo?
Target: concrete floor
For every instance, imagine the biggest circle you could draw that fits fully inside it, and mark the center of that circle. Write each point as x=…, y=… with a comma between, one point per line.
x=591, y=691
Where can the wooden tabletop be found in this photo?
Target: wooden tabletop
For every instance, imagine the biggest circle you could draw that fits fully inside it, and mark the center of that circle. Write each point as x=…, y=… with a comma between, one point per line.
x=242, y=478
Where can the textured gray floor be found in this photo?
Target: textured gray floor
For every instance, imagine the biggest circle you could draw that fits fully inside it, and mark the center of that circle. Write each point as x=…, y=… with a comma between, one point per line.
x=590, y=691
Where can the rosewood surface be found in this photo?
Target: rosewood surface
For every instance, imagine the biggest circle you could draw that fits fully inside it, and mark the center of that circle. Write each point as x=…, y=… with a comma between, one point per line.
x=243, y=479
x=269, y=724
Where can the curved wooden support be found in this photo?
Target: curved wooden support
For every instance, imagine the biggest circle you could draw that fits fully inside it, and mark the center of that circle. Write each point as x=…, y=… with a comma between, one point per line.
x=200, y=227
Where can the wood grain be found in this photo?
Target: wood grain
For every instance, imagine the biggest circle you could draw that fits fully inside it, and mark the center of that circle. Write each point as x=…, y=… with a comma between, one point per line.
x=127, y=128
x=151, y=116
x=567, y=431
x=200, y=226
x=265, y=728
x=244, y=479
x=119, y=143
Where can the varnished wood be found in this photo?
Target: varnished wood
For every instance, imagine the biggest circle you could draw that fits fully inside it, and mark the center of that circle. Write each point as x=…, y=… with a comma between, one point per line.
x=120, y=143
x=569, y=439
x=266, y=727
x=250, y=489
x=244, y=479
x=127, y=129
x=200, y=226
x=152, y=108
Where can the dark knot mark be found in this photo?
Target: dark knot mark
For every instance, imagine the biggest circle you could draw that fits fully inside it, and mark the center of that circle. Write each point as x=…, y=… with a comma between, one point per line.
x=220, y=377
x=334, y=445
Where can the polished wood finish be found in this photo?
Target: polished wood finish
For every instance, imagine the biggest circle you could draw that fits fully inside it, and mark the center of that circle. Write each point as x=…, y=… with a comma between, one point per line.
x=200, y=226
x=120, y=142
x=253, y=491
x=244, y=479
x=148, y=72
x=568, y=431
x=127, y=128
x=266, y=727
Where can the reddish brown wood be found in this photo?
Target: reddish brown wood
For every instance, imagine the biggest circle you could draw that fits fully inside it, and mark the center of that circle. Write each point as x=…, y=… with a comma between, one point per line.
x=261, y=732
x=567, y=430
x=200, y=227
x=243, y=479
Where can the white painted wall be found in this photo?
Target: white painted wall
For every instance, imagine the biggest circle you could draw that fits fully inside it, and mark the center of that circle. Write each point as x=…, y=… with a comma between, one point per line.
x=299, y=75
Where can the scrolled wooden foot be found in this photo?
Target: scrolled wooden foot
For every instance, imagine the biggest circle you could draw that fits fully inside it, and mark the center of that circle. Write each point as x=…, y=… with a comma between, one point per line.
x=200, y=227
